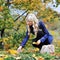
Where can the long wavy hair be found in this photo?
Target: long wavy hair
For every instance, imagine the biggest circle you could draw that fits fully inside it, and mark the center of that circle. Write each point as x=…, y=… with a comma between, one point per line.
x=33, y=18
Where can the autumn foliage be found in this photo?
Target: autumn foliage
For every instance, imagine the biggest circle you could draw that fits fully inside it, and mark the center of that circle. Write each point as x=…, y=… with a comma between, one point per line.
x=14, y=31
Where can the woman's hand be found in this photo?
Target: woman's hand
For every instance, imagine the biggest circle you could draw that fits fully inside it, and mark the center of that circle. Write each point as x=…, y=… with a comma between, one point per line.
x=38, y=42
x=19, y=49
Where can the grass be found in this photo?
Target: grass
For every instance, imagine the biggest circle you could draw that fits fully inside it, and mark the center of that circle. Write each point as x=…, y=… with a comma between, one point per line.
x=30, y=53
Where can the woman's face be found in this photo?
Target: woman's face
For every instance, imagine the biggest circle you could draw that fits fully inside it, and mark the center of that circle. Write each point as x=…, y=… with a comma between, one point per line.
x=29, y=23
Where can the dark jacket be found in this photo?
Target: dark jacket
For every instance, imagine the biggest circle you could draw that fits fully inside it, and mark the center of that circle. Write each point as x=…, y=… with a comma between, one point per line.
x=46, y=35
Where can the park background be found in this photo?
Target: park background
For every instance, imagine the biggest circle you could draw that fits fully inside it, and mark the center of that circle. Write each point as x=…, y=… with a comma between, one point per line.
x=13, y=28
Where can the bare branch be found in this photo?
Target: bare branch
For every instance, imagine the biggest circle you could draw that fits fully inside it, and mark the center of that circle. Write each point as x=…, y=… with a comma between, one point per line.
x=20, y=16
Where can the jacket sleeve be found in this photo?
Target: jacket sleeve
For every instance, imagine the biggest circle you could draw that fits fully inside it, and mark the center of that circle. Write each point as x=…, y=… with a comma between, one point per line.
x=25, y=39
x=45, y=31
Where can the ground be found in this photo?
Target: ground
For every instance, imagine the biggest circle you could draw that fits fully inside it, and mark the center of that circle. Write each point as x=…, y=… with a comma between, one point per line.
x=31, y=53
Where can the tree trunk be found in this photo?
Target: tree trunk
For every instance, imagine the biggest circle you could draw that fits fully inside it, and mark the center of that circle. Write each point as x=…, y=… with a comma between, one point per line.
x=2, y=32
x=1, y=35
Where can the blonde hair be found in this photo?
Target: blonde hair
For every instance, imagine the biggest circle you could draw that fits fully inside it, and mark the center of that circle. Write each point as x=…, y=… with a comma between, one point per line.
x=32, y=17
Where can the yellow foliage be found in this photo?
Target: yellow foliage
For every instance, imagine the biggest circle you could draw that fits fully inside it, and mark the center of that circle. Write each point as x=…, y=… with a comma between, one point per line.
x=33, y=55
x=48, y=18
x=52, y=32
x=1, y=58
x=58, y=1
x=57, y=42
x=6, y=46
x=6, y=56
x=13, y=52
x=1, y=8
x=31, y=5
x=17, y=1
x=45, y=20
x=5, y=39
x=18, y=58
x=37, y=49
x=37, y=58
x=40, y=58
x=51, y=16
x=25, y=0
x=43, y=8
x=34, y=42
x=56, y=19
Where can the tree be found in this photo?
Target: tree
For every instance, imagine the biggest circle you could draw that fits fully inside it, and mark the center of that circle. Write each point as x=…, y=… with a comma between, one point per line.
x=6, y=20
x=37, y=6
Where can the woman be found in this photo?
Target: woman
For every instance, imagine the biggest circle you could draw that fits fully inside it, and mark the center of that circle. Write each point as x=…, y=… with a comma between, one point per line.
x=37, y=28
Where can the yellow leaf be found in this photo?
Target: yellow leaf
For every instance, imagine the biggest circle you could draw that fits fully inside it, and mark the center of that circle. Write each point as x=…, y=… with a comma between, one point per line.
x=18, y=58
x=40, y=58
x=37, y=49
x=45, y=20
x=1, y=58
x=17, y=1
x=1, y=8
x=25, y=0
x=33, y=55
x=43, y=8
x=6, y=56
x=13, y=52
x=52, y=32
x=34, y=42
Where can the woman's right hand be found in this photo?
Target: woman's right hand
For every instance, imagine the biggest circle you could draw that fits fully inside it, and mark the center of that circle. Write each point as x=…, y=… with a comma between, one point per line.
x=19, y=49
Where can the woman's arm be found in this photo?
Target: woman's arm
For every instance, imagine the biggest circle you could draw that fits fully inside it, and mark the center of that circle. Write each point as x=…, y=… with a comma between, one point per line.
x=45, y=31
x=23, y=42
x=25, y=39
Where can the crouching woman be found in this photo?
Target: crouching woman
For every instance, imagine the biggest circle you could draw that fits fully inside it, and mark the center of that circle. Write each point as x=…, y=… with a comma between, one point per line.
x=36, y=27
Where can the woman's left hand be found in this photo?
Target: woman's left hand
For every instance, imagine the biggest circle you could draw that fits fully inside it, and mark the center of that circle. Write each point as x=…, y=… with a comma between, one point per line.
x=38, y=42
